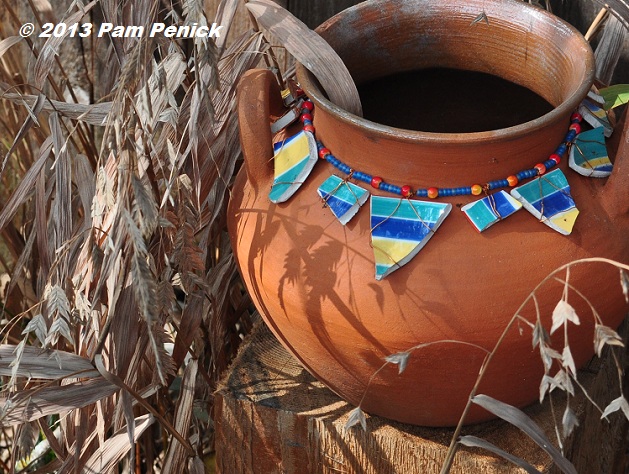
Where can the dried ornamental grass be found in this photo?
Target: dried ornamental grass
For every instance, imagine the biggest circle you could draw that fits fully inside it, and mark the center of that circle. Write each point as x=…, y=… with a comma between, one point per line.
x=112, y=234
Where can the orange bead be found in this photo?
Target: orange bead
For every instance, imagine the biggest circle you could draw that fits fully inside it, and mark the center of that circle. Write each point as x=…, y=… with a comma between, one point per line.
x=541, y=169
x=513, y=180
x=476, y=189
x=433, y=192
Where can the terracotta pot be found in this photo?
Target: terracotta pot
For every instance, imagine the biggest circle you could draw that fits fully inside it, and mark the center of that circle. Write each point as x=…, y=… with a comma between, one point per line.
x=312, y=278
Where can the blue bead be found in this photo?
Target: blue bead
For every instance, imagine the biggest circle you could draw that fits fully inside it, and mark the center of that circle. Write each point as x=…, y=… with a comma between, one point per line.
x=307, y=122
x=445, y=192
x=359, y=176
x=561, y=149
x=421, y=193
x=549, y=164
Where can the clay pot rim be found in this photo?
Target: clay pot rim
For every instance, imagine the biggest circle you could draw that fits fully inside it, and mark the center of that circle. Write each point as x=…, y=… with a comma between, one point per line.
x=377, y=130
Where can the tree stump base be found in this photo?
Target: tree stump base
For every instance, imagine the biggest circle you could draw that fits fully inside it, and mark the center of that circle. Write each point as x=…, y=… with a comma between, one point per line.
x=272, y=416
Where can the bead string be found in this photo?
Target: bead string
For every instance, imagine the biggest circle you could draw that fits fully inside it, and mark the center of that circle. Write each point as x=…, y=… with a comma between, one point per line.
x=433, y=192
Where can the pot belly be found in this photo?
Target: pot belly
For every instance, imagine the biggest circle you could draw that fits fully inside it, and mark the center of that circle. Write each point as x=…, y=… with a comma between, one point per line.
x=312, y=280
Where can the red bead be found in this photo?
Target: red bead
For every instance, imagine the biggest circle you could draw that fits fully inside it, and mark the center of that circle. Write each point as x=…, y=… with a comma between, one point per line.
x=576, y=117
x=376, y=181
x=323, y=152
x=576, y=127
x=513, y=180
x=432, y=192
x=541, y=169
x=309, y=128
x=476, y=189
x=407, y=191
x=299, y=91
x=555, y=157
x=306, y=117
x=307, y=105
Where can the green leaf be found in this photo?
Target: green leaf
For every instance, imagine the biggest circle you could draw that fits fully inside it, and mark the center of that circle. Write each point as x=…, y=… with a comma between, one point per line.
x=615, y=95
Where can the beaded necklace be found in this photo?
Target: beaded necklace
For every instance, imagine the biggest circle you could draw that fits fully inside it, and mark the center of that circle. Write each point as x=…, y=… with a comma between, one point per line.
x=407, y=191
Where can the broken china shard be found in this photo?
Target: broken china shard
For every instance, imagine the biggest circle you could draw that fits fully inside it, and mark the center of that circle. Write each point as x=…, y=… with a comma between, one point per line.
x=400, y=228
x=595, y=115
x=548, y=198
x=493, y=208
x=588, y=154
x=293, y=161
x=342, y=197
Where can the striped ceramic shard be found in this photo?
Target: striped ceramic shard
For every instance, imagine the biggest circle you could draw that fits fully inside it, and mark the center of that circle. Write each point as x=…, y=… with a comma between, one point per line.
x=588, y=155
x=594, y=114
x=294, y=159
x=342, y=197
x=493, y=208
x=548, y=198
x=400, y=228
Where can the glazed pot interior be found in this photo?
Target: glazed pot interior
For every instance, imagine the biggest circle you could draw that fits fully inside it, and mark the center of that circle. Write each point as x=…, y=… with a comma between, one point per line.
x=509, y=39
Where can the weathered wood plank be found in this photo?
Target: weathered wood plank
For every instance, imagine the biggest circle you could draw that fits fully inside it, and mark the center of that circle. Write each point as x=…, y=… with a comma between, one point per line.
x=273, y=417
x=609, y=49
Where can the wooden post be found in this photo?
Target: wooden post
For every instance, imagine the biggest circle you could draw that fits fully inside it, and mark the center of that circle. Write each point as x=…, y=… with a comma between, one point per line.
x=274, y=417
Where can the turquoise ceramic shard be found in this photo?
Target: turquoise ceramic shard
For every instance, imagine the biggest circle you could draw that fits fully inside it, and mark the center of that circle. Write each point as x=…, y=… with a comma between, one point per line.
x=548, y=198
x=400, y=228
x=342, y=197
x=594, y=114
x=493, y=208
x=588, y=154
x=293, y=161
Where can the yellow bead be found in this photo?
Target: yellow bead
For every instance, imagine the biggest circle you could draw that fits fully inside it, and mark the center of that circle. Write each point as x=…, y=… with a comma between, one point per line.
x=476, y=189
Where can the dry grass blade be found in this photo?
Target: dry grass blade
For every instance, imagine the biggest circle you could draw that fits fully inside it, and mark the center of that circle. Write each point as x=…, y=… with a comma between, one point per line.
x=30, y=405
x=26, y=126
x=519, y=419
x=6, y=43
x=311, y=50
x=50, y=50
x=177, y=454
x=93, y=114
x=45, y=364
x=224, y=16
x=26, y=184
x=476, y=442
x=116, y=447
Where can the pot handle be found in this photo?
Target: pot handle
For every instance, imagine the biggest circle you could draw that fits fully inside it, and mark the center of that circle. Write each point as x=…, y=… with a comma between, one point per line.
x=259, y=103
